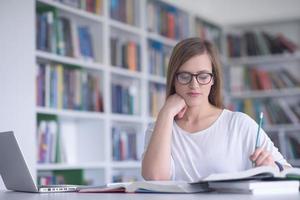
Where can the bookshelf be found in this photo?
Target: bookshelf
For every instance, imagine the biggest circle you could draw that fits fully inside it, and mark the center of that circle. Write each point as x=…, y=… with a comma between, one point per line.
x=264, y=76
x=101, y=142
x=86, y=132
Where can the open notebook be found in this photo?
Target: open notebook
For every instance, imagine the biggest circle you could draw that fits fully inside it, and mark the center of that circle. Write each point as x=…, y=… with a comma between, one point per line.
x=149, y=186
x=264, y=172
x=258, y=173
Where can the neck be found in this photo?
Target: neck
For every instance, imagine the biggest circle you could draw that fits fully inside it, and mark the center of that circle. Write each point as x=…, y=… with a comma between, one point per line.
x=198, y=112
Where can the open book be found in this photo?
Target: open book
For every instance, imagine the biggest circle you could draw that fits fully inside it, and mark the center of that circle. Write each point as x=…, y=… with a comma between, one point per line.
x=264, y=172
x=149, y=186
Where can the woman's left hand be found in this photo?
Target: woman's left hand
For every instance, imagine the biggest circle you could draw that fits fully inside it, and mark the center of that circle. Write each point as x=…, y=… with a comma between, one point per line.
x=262, y=157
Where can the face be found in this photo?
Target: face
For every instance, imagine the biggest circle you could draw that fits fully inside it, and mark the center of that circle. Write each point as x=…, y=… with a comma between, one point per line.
x=194, y=79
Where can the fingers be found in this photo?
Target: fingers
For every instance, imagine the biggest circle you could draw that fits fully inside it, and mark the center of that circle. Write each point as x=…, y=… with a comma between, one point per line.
x=256, y=153
x=262, y=157
x=181, y=113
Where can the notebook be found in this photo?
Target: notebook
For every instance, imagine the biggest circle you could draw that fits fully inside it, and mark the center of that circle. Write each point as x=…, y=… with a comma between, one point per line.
x=264, y=172
x=257, y=187
x=148, y=187
x=14, y=170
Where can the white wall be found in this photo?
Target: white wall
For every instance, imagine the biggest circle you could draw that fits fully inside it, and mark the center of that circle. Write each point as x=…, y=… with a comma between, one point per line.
x=17, y=75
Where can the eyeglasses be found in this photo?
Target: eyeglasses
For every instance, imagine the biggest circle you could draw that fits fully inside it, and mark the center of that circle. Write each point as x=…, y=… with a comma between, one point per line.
x=202, y=78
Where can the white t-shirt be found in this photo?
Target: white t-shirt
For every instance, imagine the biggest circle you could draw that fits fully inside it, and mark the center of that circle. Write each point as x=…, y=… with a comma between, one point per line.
x=225, y=146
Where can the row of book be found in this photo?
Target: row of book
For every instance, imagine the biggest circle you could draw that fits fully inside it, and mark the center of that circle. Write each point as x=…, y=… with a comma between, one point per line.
x=60, y=35
x=47, y=140
x=93, y=6
x=125, y=54
x=67, y=87
x=293, y=146
x=159, y=56
x=258, y=43
x=274, y=110
x=124, y=11
x=295, y=108
x=208, y=31
x=167, y=20
x=251, y=78
x=157, y=98
x=61, y=177
x=125, y=98
x=124, y=144
x=53, y=141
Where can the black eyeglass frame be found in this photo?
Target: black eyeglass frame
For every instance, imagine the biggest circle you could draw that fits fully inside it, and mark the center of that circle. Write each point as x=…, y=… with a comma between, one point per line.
x=194, y=75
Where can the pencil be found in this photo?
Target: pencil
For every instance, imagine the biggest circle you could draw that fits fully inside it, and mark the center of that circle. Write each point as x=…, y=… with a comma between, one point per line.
x=261, y=116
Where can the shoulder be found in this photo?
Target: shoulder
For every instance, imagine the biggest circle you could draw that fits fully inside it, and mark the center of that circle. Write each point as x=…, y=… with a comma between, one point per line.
x=238, y=118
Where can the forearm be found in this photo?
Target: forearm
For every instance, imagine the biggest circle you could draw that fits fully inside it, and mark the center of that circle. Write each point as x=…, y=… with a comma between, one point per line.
x=157, y=158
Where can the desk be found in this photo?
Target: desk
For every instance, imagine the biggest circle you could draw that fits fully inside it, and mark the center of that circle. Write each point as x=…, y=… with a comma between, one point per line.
x=8, y=195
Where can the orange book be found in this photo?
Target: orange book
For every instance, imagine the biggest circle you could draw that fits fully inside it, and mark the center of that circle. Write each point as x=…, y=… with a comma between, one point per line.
x=171, y=25
x=132, y=56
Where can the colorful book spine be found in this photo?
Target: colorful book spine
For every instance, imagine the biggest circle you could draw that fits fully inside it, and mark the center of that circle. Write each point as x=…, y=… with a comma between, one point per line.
x=159, y=56
x=124, y=11
x=124, y=144
x=157, y=98
x=62, y=36
x=66, y=88
x=167, y=20
x=125, y=54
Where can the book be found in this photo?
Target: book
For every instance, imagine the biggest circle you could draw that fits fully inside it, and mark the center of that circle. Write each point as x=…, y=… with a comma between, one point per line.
x=257, y=173
x=257, y=187
x=147, y=187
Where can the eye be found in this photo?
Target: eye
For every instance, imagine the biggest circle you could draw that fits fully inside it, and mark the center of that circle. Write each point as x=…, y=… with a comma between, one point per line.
x=203, y=76
x=184, y=76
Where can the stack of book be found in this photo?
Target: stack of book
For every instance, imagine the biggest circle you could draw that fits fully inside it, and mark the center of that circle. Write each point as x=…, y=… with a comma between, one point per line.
x=124, y=11
x=93, y=6
x=259, y=43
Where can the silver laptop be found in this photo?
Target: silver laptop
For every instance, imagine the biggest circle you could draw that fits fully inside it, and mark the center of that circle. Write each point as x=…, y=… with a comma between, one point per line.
x=14, y=171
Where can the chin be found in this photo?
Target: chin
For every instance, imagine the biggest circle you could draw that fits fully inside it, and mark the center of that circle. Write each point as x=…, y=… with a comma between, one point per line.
x=193, y=102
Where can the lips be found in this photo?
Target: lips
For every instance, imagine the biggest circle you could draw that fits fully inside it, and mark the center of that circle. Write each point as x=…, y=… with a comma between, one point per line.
x=193, y=94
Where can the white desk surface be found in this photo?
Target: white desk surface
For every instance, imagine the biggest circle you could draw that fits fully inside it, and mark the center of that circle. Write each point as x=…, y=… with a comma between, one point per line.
x=8, y=195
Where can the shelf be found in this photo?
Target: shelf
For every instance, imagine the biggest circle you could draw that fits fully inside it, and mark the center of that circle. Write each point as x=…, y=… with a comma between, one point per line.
x=125, y=72
x=162, y=39
x=78, y=12
x=127, y=118
x=267, y=93
x=157, y=79
x=294, y=162
x=285, y=127
x=71, y=113
x=125, y=27
x=265, y=59
x=68, y=60
x=70, y=166
x=126, y=164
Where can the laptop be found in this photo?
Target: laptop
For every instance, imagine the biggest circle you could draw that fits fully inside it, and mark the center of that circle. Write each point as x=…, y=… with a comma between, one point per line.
x=14, y=171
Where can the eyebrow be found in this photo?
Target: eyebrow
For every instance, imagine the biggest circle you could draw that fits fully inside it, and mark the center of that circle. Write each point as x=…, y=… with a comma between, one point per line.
x=201, y=71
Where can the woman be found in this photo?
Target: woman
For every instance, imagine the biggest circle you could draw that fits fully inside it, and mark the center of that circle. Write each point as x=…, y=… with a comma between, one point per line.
x=194, y=136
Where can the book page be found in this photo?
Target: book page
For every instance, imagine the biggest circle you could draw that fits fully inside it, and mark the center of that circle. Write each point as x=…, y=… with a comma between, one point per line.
x=254, y=173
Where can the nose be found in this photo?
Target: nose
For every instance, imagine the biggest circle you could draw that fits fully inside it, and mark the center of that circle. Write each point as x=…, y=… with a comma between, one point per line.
x=194, y=83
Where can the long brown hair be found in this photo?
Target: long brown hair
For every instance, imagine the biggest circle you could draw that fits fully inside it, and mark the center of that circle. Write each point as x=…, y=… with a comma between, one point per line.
x=185, y=50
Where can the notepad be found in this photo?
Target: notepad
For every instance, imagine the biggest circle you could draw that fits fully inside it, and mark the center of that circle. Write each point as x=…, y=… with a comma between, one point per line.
x=264, y=172
x=148, y=187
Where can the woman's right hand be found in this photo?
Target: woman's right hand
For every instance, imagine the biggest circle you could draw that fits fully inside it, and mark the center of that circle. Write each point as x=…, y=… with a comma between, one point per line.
x=175, y=106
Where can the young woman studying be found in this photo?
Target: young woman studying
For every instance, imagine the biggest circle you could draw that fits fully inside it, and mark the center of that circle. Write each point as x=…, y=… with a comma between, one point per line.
x=194, y=136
